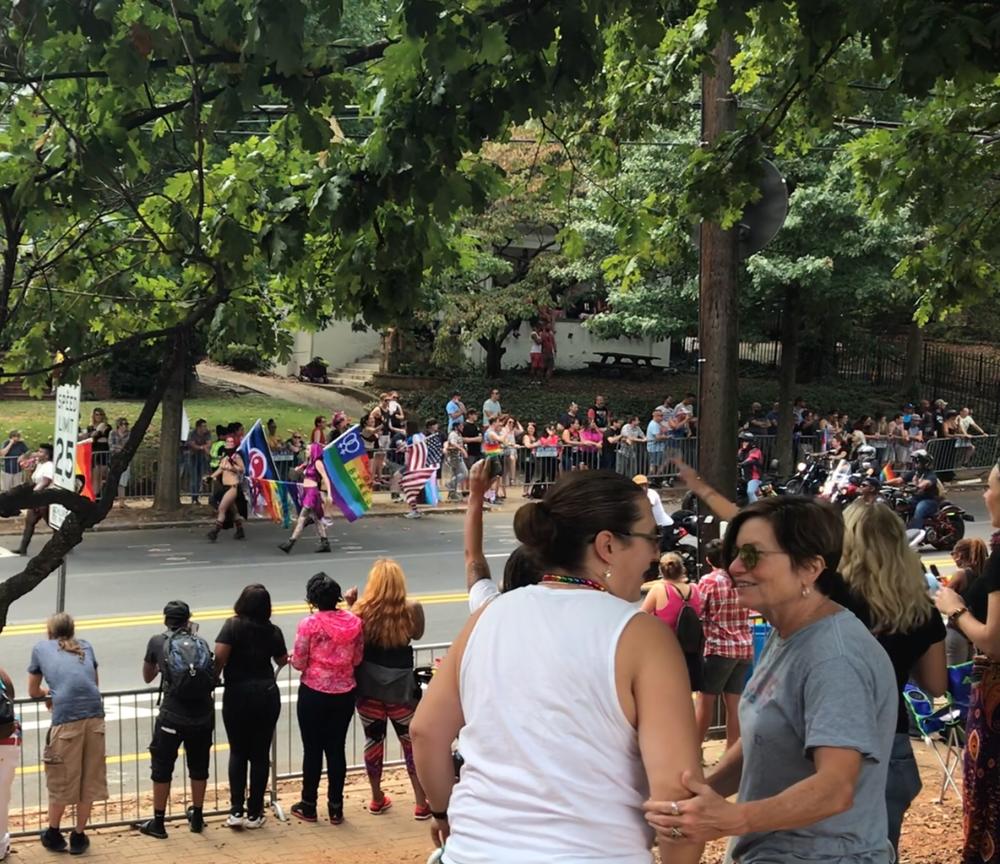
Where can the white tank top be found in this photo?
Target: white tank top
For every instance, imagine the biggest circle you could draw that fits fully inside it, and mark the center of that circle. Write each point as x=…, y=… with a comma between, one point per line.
x=552, y=770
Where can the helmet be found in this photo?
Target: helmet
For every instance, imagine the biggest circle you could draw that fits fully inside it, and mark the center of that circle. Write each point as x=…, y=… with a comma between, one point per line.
x=746, y=435
x=866, y=451
x=874, y=482
x=922, y=457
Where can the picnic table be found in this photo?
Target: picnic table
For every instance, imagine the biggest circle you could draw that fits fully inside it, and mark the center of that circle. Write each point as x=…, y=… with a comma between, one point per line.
x=618, y=361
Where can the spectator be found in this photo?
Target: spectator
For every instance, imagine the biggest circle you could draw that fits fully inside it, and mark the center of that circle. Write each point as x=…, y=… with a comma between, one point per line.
x=311, y=505
x=274, y=442
x=970, y=558
x=572, y=413
x=609, y=449
x=547, y=456
x=591, y=445
x=656, y=444
x=329, y=643
x=456, y=455
x=491, y=407
x=296, y=446
x=387, y=691
x=817, y=716
x=455, y=409
x=215, y=451
x=537, y=370
x=10, y=453
x=572, y=456
x=247, y=649
x=968, y=424
x=728, y=646
x=75, y=773
x=318, y=435
x=41, y=478
x=758, y=422
x=117, y=440
x=772, y=418
x=928, y=424
x=199, y=443
x=599, y=412
x=627, y=460
x=395, y=409
x=548, y=337
x=977, y=616
x=184, y=663
x=510, y=431
x=10, y=752
x=595, y=539
x=667, y=408
x=798, y=408
x=667, y=599
x=339, y=424
x=99, y=432
x=472, y=435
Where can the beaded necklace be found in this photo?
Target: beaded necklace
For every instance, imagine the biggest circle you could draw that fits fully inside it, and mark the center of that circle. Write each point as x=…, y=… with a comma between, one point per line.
x=573, y=580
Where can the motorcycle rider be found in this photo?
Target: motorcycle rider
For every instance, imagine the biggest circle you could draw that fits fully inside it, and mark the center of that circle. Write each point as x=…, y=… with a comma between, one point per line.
x=870, y=491
x=927, y=494
x=751, y=464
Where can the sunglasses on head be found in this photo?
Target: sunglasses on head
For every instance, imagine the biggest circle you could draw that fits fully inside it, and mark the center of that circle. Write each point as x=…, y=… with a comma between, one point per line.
x=750, y=555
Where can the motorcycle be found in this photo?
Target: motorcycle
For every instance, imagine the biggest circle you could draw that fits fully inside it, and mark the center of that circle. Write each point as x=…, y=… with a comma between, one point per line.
x=671, y=537
x=942, y=530
x=809, y=476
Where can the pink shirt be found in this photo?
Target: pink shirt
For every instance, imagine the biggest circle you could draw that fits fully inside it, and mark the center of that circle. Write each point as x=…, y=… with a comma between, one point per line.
x=671, y=612
x=328, y=645
x=592, y=435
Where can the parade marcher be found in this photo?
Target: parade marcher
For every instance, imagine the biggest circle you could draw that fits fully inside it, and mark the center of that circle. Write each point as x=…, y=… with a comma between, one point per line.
x=566, y=683
x=75, y=772
x=387, y=690
x=42, y=478
x=249, y=650
x=184, y=663
x=329, y=643
x=230, y=473
x=312, y=502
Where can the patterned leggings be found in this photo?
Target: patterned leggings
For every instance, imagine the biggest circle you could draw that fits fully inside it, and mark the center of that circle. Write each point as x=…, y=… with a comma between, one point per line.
x=375, y=716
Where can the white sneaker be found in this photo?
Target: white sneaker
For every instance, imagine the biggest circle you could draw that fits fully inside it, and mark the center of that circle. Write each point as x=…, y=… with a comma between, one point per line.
x=5, y=847
x=255, y=823
x=236, y=820
x=413, y=514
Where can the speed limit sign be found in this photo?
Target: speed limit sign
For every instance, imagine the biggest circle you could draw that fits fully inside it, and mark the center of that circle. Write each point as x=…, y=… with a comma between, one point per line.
x=64, y=445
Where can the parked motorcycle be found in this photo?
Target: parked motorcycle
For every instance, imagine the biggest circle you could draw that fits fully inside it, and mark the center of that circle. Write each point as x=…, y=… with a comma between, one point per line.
x=942, y=530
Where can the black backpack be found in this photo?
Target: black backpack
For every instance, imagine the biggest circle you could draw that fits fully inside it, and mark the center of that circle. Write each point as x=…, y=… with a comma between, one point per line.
x=7, y=714
x=690, y=633
x=188, y=666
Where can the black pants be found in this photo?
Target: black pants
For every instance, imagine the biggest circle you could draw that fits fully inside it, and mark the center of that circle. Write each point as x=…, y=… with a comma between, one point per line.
x=324, y=719
x=250, y=712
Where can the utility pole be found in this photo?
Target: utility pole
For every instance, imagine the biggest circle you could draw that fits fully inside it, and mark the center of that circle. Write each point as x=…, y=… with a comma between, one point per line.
x=718, y=333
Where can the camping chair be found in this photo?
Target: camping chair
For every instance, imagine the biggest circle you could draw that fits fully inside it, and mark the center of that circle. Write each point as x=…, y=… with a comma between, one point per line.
x=943, y=730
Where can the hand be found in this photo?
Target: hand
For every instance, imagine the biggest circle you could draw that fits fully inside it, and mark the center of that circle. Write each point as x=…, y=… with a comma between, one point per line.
x=947, y=601
x=351, y=595
x=440, y=829
x=684, y=471
x=706, y=816
x=479, y=480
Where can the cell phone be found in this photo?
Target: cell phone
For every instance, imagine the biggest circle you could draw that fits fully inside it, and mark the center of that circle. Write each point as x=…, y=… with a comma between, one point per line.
x=935, y=572
x=496, y=469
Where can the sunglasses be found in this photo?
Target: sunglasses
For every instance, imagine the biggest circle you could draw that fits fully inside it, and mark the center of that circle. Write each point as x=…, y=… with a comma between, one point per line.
x=750, y=555
x=651, y=536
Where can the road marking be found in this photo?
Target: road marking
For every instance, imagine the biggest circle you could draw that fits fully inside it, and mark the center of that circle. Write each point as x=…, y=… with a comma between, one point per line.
x=34, y=628
x=7, y=553
x=123, y=759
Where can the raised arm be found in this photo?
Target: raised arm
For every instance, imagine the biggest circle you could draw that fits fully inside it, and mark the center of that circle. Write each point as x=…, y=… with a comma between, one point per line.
x=718, y=503
x=476, y=565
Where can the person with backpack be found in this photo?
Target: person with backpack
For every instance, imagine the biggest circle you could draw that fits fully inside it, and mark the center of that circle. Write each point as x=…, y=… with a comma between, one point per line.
x=184, y=662
x=75, y=773
x=677, y=603
x=10, y=753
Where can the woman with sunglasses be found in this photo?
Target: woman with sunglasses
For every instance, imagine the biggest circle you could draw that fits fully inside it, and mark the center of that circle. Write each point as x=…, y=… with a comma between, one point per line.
x=817, y=716
x=587, y=725
x=970, y=557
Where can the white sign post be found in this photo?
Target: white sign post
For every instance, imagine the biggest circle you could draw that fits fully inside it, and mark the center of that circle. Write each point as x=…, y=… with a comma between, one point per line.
x=64, y=459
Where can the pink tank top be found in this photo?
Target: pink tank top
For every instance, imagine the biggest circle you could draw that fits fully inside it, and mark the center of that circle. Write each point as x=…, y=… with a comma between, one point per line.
x=672, y=610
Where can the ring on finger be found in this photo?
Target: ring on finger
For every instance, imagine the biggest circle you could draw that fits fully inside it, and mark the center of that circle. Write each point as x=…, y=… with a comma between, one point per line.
x=674, y=809
x=676, y=833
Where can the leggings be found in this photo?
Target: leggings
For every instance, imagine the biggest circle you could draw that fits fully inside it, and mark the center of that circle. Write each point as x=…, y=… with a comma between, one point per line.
x=324, y=719
x=250, y=712
x=306, y=514
x=374, y=716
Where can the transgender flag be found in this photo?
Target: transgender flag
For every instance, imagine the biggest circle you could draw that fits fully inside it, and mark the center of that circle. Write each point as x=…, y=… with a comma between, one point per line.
x=348, y=477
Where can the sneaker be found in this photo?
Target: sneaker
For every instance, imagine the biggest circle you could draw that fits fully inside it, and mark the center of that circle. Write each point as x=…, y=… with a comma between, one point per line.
x=375, y=808
x=305, y=811
x=53, y=840
x=5, y=847
x=78, y=843
x=153, y=828
x=336, y=813
x=422, y=814
x=235, y=820
x=253, y=822
x=195, y=500
x=195, y=819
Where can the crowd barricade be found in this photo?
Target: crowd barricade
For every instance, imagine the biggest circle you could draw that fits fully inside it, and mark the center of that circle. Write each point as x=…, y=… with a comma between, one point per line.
x=129, y=718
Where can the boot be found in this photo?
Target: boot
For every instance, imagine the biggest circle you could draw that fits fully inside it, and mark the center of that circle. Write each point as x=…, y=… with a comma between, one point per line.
x=286, y=547
x=240, y=534
x=324, y=545
x=213, y=535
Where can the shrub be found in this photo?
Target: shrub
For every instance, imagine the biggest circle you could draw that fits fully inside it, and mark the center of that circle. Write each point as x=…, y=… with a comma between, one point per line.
x=242, y=358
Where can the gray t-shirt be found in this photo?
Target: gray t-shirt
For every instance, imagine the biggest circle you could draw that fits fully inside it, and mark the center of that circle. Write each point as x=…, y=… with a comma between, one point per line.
x=827, y=685
x=72, y=680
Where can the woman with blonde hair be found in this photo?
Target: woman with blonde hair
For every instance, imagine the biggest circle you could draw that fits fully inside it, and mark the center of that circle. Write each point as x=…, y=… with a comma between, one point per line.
x=387, y=690
x=888, y=592
x=667, y=600
x=74, y=747
x=970, y=557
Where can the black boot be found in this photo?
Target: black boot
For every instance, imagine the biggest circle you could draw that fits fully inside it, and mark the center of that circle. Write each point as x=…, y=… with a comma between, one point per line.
x=324, y=545
x=240, y=535
x=286, y=547
x=213, y=535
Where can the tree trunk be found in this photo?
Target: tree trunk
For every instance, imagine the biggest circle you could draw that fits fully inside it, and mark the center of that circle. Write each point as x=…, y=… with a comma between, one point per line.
x=914, y=360
x=494, y=354
x=717, y=308
x=168, y=468
x=786, y=379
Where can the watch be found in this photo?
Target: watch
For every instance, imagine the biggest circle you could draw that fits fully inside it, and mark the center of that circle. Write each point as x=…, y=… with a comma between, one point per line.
x=958, y=613
x=441, y=816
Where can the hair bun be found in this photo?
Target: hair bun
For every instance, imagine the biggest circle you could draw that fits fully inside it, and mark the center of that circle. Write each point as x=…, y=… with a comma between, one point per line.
x=534, y=525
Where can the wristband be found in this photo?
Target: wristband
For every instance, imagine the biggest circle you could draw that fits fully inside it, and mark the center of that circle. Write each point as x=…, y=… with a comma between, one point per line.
x=441, y=816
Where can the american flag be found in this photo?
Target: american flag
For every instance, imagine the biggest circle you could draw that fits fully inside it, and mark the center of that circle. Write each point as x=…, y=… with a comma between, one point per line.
x=423, y=458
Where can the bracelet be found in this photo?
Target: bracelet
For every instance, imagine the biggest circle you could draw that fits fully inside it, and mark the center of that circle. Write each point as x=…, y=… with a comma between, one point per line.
x=441, y=816
x=958, y=613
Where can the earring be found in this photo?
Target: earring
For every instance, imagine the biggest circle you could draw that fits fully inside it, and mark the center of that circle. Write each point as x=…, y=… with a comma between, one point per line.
x=607, y=575
x=806, y=590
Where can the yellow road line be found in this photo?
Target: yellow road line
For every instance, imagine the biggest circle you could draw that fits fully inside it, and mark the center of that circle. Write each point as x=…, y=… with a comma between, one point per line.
x=35, y=628
x=123, y=759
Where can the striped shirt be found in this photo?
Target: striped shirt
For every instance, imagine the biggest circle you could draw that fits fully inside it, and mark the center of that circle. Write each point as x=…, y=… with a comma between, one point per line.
x=726, y=623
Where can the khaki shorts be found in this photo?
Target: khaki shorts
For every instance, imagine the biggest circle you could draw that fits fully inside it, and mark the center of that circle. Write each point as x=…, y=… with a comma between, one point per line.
x=74, y=762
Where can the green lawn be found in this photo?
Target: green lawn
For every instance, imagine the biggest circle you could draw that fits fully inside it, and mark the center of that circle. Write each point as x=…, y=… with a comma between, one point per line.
x=36, y=418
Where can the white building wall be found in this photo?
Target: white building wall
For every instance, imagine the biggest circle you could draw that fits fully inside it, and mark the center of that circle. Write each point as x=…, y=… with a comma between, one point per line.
x=338, y=344
x=575, y=347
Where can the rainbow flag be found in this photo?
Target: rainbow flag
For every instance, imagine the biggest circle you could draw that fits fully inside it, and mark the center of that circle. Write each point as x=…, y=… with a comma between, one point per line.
x=84, y=461
x=347, y=475
x=887, y=473
x=277, y=500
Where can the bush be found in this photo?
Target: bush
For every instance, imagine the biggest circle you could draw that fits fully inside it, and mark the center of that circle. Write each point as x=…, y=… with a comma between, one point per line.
x=242, y=358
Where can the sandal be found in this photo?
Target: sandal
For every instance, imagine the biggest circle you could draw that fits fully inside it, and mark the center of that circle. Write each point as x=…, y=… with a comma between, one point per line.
x=375, y=808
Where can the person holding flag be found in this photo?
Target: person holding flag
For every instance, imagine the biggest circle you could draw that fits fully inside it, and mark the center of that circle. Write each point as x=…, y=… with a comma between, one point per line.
x=230, y=471
x=312, y=500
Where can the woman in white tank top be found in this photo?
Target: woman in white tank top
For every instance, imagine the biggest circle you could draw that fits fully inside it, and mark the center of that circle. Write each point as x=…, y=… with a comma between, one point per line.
x=571, y=707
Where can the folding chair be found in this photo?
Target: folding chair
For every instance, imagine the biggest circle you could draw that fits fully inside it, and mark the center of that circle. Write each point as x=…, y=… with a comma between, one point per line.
x=941, y=730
